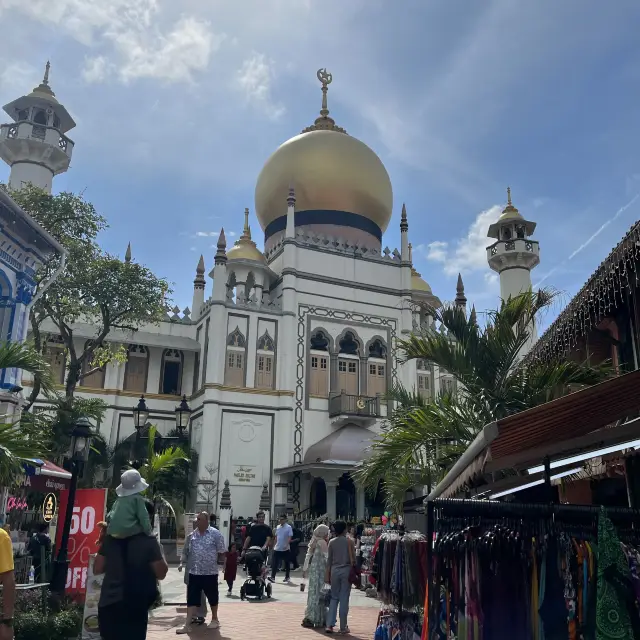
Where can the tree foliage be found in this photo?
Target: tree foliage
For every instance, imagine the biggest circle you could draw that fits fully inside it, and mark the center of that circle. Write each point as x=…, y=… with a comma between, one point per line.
x=423, y=439
x=94, y=288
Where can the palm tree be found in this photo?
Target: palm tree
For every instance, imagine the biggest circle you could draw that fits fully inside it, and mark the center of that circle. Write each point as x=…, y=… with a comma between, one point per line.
x=16, y=442
x=160, y=463
x=423, y=439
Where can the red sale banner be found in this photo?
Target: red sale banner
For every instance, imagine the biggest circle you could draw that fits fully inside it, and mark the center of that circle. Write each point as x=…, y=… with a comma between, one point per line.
x=88, y=509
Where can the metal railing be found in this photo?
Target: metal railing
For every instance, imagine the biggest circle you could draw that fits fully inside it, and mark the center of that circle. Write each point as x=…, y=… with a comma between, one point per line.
x=354, y=405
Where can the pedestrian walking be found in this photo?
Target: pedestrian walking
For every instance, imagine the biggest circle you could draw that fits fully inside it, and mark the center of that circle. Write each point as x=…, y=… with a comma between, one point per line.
x=340, y=559
x=259, y=535
x=282, y=549
x=295, y=545
x=208, y=547
x=231, y=568
x=132, y=567
x=186, y=561
x=315, y=564
x=39, y=547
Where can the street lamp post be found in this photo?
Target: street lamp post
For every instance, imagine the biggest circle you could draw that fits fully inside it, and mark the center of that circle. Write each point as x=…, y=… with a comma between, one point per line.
x=140, y=419
x=183, y=420
x=78, y=454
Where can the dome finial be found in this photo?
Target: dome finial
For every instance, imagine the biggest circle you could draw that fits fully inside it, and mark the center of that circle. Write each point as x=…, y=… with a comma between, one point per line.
x=246, y=231
x=45, y=79
x=509, y=197
x=324, y=122
x=510, y=209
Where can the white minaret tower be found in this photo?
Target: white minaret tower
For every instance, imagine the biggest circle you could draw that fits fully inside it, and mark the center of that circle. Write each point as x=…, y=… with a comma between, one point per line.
x=514, y=253
x=34, y=144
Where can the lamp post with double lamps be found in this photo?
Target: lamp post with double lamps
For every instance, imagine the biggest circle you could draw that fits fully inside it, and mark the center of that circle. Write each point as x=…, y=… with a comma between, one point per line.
x=140, y=419
x=78, y=456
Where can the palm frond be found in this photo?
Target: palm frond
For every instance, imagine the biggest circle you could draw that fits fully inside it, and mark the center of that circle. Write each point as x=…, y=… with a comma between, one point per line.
x=20, y=355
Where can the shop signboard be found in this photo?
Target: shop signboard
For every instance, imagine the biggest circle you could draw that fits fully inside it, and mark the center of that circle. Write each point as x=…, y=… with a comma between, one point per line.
x=49, y=507
x=88, y=511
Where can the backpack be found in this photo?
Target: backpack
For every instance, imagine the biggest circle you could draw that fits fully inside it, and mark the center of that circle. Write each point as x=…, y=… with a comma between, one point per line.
x=140, y=585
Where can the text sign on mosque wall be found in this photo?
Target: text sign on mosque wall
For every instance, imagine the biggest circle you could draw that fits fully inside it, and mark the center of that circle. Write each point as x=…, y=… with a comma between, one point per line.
x=246, y=475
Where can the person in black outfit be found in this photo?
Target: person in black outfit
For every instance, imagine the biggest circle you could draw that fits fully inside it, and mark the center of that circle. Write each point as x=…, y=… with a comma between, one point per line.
x=39, y=541
x=259, y=535
x=293, y=545
x=131, y=566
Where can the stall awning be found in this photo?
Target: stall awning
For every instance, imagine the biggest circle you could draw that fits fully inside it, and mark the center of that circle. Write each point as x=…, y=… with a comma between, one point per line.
x=46, y=468
x=552, y=428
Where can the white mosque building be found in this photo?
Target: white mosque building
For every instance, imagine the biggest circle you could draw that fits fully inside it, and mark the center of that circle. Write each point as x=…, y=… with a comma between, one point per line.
x=286, y=353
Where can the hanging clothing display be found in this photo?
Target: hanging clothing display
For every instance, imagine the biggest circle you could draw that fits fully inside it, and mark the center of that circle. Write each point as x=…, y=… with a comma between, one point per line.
x=533, y=572
x=399, y=572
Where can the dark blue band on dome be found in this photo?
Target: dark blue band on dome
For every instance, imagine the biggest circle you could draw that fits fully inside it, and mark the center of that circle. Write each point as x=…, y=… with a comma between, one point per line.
x=319, y=216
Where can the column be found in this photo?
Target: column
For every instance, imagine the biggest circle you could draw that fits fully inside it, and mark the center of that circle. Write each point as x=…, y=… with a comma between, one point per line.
x=364, y=378
x=331, y=486
x=360, y=503
x=333, y=373
x=280, y=498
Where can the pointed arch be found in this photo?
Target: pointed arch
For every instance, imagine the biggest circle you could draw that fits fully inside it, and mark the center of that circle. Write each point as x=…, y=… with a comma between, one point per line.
x=350, y=350
x=231, y=287
x=55, y=354
x=321, y=340
x=320, y=350
x=345, y=343
x=249, y=286
x=171, y=372
x=376, y=348
x=94, y=380
x=136, y=371
x=236, y=339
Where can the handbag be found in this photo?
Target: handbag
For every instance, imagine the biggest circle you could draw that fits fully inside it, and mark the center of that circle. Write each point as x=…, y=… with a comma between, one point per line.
x=354, y=572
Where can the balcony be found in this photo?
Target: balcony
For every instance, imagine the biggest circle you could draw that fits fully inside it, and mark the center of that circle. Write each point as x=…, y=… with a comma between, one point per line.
x=363, y=410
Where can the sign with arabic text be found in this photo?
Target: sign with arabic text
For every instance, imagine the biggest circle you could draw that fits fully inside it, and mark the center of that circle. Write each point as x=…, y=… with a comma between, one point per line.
x=247, y=475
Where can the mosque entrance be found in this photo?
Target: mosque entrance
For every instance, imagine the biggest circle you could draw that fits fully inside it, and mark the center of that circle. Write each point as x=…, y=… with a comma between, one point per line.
x=318, y=497
x=346, y=498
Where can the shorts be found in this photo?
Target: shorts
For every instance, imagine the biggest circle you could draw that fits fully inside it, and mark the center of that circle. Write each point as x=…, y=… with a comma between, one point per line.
x=118, y=621
x=198, y=585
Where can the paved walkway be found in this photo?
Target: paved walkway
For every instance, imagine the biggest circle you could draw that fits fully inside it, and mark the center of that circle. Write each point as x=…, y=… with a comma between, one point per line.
x=275, y=619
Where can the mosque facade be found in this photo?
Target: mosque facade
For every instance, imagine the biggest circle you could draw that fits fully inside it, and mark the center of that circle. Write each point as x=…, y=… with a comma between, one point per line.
x=287, y=352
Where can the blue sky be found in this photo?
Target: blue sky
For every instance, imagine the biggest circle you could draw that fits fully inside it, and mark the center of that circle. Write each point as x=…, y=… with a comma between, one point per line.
x=178, y=105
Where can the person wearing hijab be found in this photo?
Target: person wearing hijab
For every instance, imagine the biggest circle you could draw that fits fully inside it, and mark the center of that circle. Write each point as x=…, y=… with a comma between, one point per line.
x=315, y=564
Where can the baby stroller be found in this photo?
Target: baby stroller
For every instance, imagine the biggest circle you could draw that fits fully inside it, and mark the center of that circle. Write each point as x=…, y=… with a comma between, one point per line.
x=255, y=586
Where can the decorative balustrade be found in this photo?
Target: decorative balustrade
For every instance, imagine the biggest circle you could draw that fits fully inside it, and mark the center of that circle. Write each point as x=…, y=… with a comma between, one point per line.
x=29, y=130
x=346, y=404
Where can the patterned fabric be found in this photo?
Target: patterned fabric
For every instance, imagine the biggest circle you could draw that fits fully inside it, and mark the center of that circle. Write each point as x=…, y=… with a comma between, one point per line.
x=612, y=618
x=203, y=551
x=315, y=611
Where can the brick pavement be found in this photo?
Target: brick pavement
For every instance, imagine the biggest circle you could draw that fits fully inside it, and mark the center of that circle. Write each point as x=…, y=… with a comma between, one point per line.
x=251, y=620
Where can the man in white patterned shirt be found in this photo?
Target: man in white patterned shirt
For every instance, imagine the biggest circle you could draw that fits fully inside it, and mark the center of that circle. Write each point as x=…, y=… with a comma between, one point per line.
x=207, y=548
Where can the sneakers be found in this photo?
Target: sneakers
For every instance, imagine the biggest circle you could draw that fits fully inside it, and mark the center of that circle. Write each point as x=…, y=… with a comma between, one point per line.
x=183, y=631
x=214, y=624
x=229, y=594
x=270, y=579
x=287, y=580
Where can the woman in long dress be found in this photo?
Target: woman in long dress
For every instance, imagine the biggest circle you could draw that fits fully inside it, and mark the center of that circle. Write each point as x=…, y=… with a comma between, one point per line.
x=315, y=564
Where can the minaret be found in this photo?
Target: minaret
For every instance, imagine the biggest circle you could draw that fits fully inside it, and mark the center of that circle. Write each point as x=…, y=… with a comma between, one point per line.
x=127, y=254
x=198, y=290
x=461, y=300
x=219, y=271
x=34, y=144
x=514, y=253
x=291, y=213
x=404, y=236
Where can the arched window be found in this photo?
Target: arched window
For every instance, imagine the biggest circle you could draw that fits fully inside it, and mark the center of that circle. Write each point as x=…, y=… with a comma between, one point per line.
x=7, y=307
x=250, y=286
x=40, y=117
x=424, y=379
x=319, y=374
x=377, y=368
x=171, y=372
x=95, y=380
x=235, y=365
x=136, y=369
x=447, y=384
x=348, y=361
x=23, y=114
x=54, y=353
x=231, y=287
x=265, y=362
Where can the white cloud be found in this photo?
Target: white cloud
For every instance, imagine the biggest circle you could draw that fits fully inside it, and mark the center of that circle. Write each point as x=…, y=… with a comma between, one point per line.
x=18, y=77
x=254, y=80
x=96, y=69
x=469, y=253
x=207, y=234
x=232, y=234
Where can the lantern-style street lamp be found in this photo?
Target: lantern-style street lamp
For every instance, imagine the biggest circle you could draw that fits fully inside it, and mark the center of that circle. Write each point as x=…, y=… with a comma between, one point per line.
x=140, y=414
x=183, y=415
x=78, y=456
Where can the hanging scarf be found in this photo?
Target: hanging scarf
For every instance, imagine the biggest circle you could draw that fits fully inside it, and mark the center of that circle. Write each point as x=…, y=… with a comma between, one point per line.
x=612, y=617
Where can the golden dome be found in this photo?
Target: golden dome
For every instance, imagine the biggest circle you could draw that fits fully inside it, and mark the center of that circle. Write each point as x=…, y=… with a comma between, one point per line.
x=329, y=170
x=245, y=248
x=510, y=212
x=418, y=284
